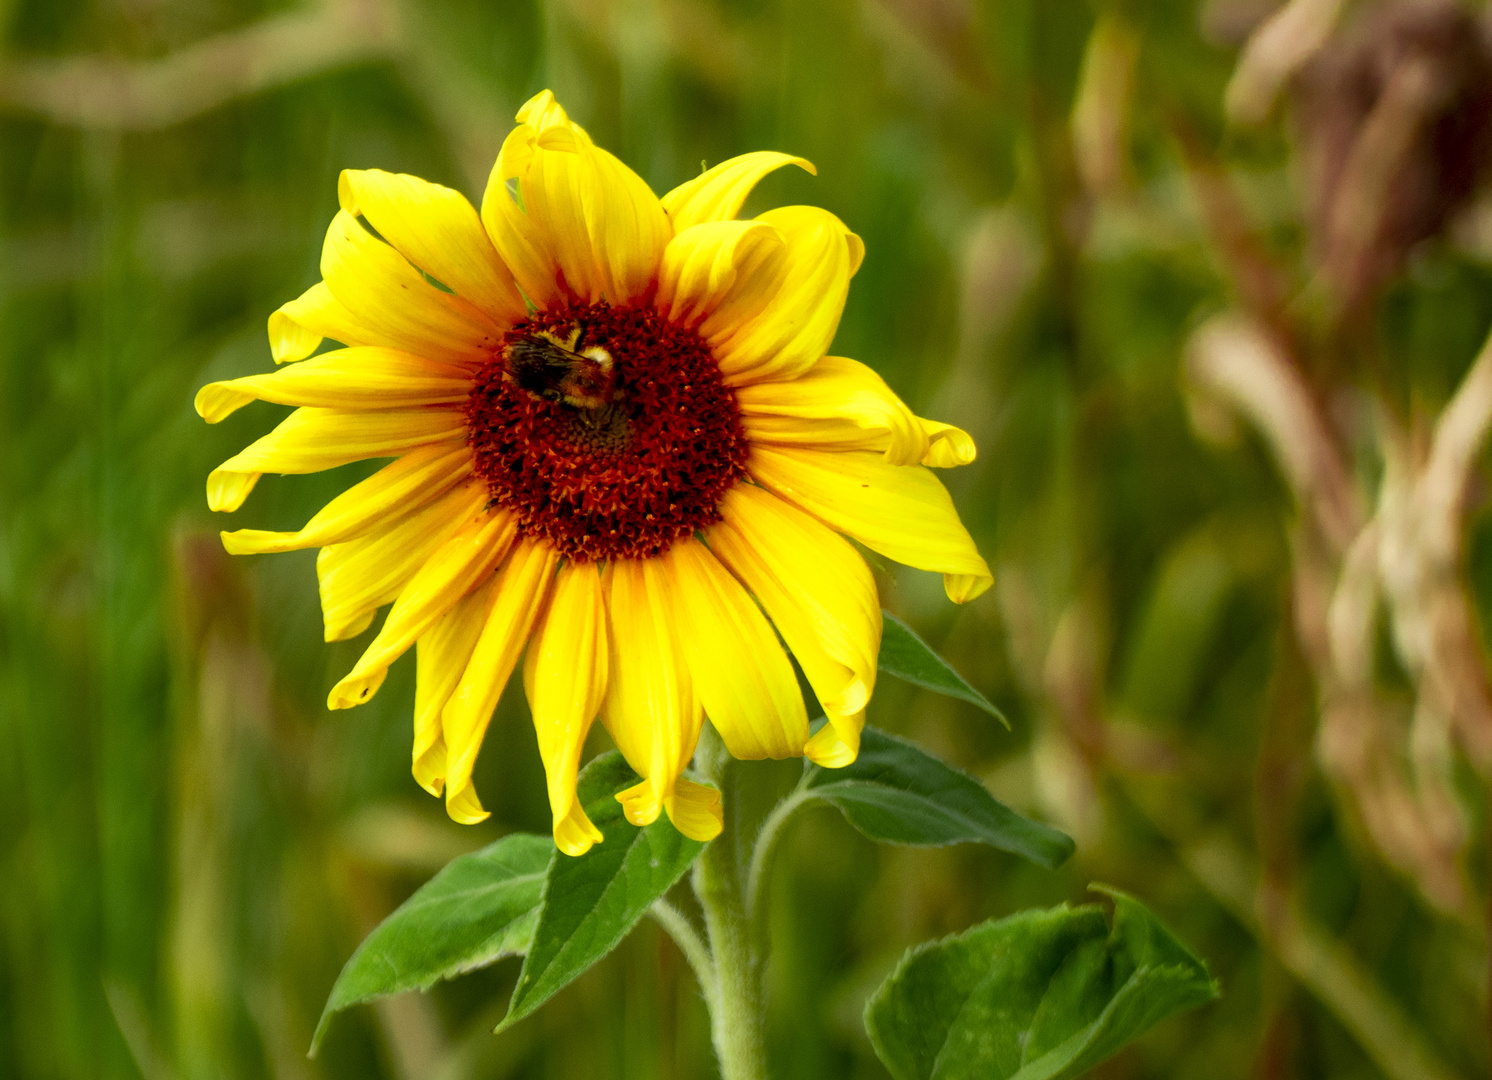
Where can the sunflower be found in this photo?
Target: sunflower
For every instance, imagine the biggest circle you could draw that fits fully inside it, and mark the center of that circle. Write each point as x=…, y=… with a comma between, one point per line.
x=620, y=455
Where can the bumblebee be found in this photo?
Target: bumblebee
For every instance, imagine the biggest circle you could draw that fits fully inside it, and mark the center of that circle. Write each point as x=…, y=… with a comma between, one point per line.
x=565, y=369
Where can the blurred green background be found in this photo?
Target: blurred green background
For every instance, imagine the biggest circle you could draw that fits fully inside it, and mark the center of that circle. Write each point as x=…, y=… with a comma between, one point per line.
x=191, y=845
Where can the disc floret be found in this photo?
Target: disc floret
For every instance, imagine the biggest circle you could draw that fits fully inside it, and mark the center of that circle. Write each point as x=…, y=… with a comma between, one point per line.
x=606, y=430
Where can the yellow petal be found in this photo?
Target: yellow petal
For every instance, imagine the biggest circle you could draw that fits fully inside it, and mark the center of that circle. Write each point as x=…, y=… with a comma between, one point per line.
x=564, y=675
x=359, y=577
x=542, y=112
x=838, y=404
x=650, y=709
x=837, y=743
x=693, y=808
x=360, y=378
x=717, y=195
x=297, y=328
x=702, y=265
x=437, y=230
x=568, y=217
x=393, y=491
x=457, y=567
x=394, y=305
x=440, y=660
x=309, y=440
x=805, y=283
x=902, y=511
x=742, y=676
x=522, y=247
x=863, y=424
x=523, y=584
x=948, y=446
x=815, y=587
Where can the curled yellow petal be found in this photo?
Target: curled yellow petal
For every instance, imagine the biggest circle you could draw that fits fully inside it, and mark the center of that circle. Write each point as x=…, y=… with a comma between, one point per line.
x=717, y=194
x=358, y=378
x=359, y=577
x=568, y=217
x=437, y=230
x=309, y=440
x=838, y=404
x=440, y=660
x=695, y=810
x=947, y=446
x=564, y=675
x=394, y=304
x=961, y=588
x=902, y=511
x=457, y=567
x=523, y=584
x=814, y=586
x=543, y=111
x=702, y=265
x=650, y=709
x=837, y=743
x=804, y=284
x=408, y=482
x=742, y=676
x=642, y=802
x=298, y=327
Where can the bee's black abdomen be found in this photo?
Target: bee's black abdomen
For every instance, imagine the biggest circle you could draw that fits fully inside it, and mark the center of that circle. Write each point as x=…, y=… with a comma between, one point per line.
x=538, y=366
x=552, y=372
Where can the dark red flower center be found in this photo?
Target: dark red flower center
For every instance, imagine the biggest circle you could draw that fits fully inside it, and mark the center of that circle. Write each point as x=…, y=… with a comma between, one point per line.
x=606, y=430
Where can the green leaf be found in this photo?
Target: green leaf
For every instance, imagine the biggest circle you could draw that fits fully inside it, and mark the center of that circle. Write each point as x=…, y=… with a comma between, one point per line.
x=896, y=793
x=1042, y=995
x=908, y=657
x=478, y=909
x=591, y=902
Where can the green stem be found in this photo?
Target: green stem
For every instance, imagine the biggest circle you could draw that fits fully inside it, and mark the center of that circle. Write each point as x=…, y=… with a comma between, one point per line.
x=687, y=938
x=760, y=875
x=738, y=1009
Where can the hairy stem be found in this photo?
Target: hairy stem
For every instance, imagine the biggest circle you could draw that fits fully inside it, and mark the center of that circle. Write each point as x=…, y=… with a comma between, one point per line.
x=677, y=925
x=738, y=1008
x=760, y=875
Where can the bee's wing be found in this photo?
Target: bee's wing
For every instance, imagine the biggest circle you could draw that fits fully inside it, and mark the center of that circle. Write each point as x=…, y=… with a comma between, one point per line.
x=539, y=354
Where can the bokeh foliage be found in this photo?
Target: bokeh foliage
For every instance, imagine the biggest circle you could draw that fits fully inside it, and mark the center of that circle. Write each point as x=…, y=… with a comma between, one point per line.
x=191, y=845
